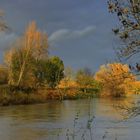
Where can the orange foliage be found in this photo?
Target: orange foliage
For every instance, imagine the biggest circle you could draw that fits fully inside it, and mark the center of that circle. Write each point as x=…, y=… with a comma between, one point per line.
x=67, y=83
x=136, y=87
x=33, y=44
x=35, y=41
x=116, y=79
x=3, y=75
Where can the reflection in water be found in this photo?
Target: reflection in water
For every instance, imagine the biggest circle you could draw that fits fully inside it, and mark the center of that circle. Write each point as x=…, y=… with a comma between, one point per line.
x=50, y=121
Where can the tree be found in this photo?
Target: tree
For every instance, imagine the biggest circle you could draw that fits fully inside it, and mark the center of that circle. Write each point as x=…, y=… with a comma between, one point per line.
x=32, y=46
x=128, y=13
x=85, y=80
x=50, y=71
x=3, y=25
x=68, y=73
x=35, y=43
x=69, y=80
x=15, y=59
x=3, y=75
x=116, y=79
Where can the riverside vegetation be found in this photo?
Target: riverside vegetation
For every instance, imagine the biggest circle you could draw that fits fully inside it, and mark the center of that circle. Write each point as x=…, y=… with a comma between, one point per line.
x=30, y=75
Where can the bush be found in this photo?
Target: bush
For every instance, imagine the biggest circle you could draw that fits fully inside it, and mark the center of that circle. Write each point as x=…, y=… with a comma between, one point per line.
x=116, y=79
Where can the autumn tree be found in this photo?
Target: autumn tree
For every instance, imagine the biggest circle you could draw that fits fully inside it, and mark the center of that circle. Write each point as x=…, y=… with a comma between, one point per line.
x=3, y=69
x=85, y=80
x=3, y=75
x=116, y=79
x=69, y=80
x=32, y=46
x=15, y=61
x=69, y=73
x=49, y=71
x=128, y=13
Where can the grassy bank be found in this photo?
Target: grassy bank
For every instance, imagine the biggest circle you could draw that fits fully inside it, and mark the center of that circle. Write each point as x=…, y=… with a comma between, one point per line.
x=13, y=96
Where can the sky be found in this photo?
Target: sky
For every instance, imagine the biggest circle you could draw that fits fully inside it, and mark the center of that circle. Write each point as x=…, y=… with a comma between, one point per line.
x=79, y=31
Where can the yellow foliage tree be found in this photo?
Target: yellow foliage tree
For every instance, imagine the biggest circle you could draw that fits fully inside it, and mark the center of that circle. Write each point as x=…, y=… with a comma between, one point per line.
x=116, y=79
x=68, y=81
x=33, y=44
x=136, y=87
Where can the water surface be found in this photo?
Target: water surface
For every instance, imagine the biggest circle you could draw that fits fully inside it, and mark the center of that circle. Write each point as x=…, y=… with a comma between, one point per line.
x=55, y=121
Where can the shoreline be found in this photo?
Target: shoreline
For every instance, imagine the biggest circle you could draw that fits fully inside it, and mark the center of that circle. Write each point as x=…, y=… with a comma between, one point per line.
x=12, y=96
x=20, y=97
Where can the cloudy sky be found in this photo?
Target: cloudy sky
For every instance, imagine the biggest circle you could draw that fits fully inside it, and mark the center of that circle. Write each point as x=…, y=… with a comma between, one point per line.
x=79, y=30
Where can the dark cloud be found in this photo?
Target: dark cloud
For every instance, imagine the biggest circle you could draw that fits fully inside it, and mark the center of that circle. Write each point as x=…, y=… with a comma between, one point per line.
x=6, y=39
x=70, y=26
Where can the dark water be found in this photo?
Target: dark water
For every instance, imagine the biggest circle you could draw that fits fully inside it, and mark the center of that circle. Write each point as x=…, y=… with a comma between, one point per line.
x=55, y=121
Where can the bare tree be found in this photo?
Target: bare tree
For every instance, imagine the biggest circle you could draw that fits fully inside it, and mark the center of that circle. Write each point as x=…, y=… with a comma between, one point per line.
x=3, y=24
x=128, y=13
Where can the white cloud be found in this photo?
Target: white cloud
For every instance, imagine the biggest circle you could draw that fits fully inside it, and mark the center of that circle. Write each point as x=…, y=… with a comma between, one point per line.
x=6, y=39
x=67, y=34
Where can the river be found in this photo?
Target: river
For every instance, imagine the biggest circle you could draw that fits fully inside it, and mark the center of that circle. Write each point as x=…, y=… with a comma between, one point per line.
x=66, y=120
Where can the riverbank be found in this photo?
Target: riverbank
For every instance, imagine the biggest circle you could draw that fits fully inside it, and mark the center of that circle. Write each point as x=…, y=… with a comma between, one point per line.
x=19, y=96
x=14, y=96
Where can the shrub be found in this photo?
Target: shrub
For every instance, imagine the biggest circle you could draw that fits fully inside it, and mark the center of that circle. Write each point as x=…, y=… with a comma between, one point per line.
x=116, y=79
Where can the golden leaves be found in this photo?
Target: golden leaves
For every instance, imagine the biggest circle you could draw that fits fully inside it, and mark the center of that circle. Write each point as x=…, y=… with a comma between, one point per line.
x=33, y=44
x=36, y=41
x=115, y=77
